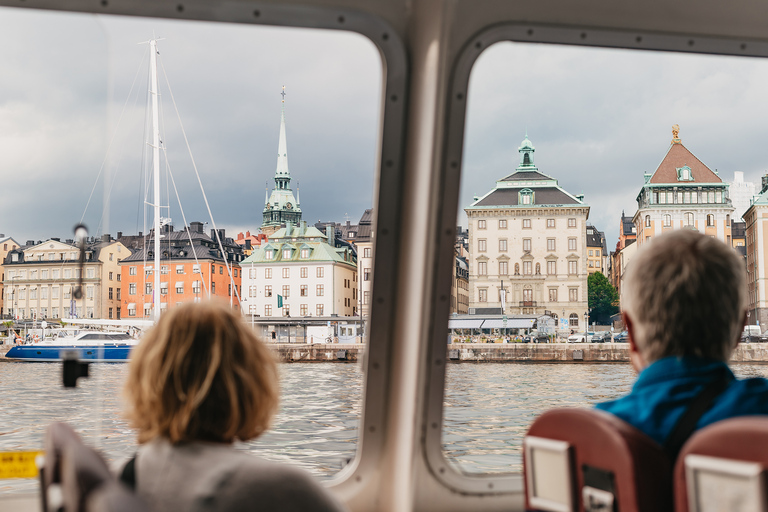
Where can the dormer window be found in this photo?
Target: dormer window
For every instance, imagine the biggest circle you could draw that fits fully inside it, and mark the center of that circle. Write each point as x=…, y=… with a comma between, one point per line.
x=269, y=254
x=684, y=173
x=526, y=196
x=305, y=253
x=286, y=254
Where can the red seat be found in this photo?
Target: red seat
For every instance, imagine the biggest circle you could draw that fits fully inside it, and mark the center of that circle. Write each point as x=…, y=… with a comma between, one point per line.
x=722, y=466
x=573, y=456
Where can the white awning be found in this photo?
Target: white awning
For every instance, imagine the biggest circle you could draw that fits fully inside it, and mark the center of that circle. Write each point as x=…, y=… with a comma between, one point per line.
x=464, y=323
x=132, y=305
x=512, y=323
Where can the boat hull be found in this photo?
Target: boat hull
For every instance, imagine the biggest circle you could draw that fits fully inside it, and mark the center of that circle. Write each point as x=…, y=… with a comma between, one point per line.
x=46, y=353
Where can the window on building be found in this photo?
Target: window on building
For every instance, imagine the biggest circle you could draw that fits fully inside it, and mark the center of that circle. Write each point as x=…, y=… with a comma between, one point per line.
x=689, y=219
x=304, y=255
x=482, y=295
x=147, y=288
x=304, y=290
x=111, y=293
x=55, y=273
x=573, y=320
x=131, y=271
x=55, y=292
x=367, y=252
x=147, y=310
x=526, y=223
x=553, y=295
x=571, y=244
x=572, y=268
x=267, y=273
x=481, y=224
x=550, y=223
x=503, y=268
x=213, y=287
x=527, y=268
x=667, y=220
x=268, y=310
x=117, y=294
x=710, y=220
x=286, y=310
x=110, y=313
x=503, y=245
x=269, y=254
x=179, y=269
x=552, y=268
x=131, y=309
x=319, y=290
x=573, y=294
x=286, y=273
x=366, y=274
x=502, y=223
x=268, y=290
x=591, y=253
x=647, y=221
x=320, y=271
x=319, y=310
x=482, y=268
x=527, y=244
x=132, y=289
x=526, y=196
x=164, y=288
x=482, y=245
x=179, y=287
x=196, y=287
x=550, y=244
x=366, y=297
x=304, y=272
x=304, y=309
x=571, y=222
x=221, y=269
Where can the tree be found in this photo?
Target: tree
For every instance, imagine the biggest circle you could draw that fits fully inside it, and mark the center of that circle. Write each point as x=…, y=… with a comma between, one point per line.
x=603, y=298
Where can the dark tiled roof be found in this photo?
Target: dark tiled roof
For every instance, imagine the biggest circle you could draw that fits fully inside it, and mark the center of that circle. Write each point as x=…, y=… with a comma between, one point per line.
x=367, y=217
x=738, y=229
x=174, y=253
x=542, y=196
x=596, y=239
x=679, y=156
x=526, y=176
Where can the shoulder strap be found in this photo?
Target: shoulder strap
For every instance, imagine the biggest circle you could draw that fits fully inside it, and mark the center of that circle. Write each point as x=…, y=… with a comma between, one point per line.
x=128, y=475
x=686, y=425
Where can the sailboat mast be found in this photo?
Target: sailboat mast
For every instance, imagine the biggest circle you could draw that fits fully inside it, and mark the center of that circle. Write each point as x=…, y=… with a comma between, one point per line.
x=156, y=172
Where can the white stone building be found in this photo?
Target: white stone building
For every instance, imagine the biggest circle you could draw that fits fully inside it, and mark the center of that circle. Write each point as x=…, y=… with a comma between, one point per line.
x=741, y=193
x=311, y=273
x=527, y=238
x=683, y=193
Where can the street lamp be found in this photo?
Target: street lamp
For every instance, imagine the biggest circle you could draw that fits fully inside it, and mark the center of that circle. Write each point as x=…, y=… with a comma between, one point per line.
x=586, y=326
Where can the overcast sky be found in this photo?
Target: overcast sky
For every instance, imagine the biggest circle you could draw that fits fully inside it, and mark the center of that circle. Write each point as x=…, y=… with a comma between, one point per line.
x=598, y=118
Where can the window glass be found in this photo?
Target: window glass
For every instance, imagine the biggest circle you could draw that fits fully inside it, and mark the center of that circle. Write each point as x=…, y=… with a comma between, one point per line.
x=580, y=131
x=85, y=86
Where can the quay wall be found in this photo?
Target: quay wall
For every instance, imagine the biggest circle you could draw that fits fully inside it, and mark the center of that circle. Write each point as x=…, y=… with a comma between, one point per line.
x=491, y=352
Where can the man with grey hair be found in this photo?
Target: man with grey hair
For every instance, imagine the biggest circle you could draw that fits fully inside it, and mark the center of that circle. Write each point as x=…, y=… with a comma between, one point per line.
x=684, y=308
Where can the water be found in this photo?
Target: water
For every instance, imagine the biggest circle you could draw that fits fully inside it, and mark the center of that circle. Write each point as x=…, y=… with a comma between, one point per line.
x=488, y=408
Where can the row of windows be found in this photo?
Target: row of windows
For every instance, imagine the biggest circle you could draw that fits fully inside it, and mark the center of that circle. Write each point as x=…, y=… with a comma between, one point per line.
x=20, y=293
x=303, y=310
x=286, y=272
x=55, y=273
x=286, y=291
x=482, y=268
x=482, y=223
x=180, y=269
x=56, y=312
x=689, y=219
x=269, y=254
x=573, y=295
x=687, y=197
x=482, y=244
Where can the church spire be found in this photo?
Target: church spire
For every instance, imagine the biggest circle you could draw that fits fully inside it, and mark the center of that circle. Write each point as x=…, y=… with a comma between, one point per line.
x=282, y=147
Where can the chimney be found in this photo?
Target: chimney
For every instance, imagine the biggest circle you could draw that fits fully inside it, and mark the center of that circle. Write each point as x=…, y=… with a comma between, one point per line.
x=119, y=234
x=105, y=237
x=240, y=236
x=196, y=227
x=329, y=233
x=248, y=234
x=247, y=244
x=765, y=184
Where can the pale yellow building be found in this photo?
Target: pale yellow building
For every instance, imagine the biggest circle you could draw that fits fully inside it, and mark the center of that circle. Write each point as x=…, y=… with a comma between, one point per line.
x=756, y=218
x=7, y=244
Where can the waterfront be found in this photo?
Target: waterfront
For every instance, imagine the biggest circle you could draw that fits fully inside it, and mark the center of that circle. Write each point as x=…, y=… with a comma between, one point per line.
x=488, y=408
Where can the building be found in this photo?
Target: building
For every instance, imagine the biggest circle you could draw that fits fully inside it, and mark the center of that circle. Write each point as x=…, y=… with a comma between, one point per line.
x=527, y=246
x=756, y=218
x=301, y=272
x=281, y=207
x=41, y=279
x=596, y=251
x=683, y=193
x=741, y=193
x=627, y=236
x=191, y=268
x=248, y=241
x=460, y=287
x=7, y=244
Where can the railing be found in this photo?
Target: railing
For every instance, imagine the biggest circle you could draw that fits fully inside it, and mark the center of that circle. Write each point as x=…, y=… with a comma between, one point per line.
x=527, y=304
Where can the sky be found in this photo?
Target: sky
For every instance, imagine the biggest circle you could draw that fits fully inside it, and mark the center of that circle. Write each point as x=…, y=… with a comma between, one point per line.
x=74, y=88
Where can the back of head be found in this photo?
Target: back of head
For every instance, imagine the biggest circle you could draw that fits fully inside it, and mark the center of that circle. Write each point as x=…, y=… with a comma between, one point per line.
x=201, y=374
x=686, y=295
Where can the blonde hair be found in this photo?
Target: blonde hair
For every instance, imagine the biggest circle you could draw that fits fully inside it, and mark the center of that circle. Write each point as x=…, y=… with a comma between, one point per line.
x=686, y=294
x=201, y=374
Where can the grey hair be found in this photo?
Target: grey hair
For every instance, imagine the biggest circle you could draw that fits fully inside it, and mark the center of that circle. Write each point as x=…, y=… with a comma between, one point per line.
x=686, y=294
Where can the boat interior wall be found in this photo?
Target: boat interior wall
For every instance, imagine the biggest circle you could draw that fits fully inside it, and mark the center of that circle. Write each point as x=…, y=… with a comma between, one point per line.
x=428, y=48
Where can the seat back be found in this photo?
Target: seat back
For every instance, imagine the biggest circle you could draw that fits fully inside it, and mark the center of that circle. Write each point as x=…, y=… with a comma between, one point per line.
x=589, y=460
x=723, y=466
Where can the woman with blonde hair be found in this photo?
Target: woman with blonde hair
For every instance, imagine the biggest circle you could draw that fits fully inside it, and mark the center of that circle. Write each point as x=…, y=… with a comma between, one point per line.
x=198, y=381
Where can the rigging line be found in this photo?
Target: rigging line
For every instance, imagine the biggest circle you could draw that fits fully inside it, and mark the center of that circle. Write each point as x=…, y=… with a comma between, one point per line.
x=103, y=163
x=142, y=175
x=184, y=219
x=205, y=198
x=167, y=168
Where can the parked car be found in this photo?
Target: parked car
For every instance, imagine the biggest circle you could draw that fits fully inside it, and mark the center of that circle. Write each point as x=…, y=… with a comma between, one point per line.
x=541, y=338
x=580, y=338
x=622, y=337
x=602, y=337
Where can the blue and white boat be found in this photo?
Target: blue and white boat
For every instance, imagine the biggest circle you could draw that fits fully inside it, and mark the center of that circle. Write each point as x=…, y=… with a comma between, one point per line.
x=91, y=346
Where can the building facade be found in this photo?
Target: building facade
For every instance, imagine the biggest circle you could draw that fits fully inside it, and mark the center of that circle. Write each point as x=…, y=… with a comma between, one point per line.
x=596, y=256
x=618, y=261
x=281, y=207
x=756, y=218
x=7, y=244
x=191, y=269
x=41, y=280
x=741, y=193
x=301, y=272
x=527, y=246
x=683, y=193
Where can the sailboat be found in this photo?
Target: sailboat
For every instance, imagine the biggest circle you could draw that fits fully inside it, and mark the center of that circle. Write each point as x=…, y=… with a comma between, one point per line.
x=102, y=345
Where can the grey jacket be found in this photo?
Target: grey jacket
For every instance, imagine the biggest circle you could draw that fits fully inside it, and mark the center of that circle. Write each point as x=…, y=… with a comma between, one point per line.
x=201, y=476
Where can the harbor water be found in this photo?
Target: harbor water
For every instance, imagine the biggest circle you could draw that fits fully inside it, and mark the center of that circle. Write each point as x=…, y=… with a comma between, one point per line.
x=488, y=408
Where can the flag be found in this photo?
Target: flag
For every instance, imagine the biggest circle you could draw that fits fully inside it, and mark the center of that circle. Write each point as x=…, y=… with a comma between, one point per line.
x=279, y=301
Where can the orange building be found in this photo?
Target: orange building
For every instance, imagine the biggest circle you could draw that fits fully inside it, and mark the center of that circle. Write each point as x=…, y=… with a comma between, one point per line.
x=182, y=277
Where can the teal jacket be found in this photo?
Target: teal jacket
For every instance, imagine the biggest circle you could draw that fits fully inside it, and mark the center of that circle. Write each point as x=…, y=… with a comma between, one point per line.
x=664, y=389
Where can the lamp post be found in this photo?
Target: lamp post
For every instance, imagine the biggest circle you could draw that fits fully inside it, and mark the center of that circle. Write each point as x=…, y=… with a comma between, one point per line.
x=586, y=326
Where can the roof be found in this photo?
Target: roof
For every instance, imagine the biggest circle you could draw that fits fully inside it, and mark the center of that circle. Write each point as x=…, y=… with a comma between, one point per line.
x=526, y=176
x=175, y=253
x=545, y=196
x=596, y=238
x=679, y=156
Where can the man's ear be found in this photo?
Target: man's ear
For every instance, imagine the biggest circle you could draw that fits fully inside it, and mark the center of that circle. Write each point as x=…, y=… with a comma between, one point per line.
x=635, y=357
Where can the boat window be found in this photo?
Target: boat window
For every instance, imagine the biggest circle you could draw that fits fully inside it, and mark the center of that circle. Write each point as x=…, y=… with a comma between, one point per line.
x=287, y=113
x=581, y=130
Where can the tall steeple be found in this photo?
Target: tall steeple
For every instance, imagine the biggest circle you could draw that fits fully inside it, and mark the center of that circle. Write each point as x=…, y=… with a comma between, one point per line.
x=281, y=206
x=526, y=151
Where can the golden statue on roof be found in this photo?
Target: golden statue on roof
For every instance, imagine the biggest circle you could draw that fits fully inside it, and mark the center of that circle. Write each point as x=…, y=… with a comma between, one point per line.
x=675, y=134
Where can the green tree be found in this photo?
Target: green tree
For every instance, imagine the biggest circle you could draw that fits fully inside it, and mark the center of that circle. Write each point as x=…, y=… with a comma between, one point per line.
x=603, y=299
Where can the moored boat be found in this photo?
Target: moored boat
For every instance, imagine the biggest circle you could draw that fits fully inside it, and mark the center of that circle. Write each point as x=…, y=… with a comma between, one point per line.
x=92, y=346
